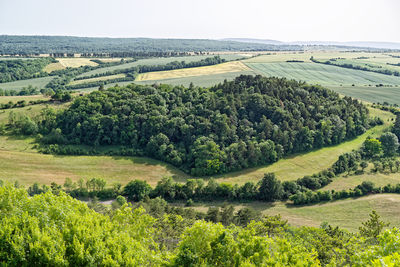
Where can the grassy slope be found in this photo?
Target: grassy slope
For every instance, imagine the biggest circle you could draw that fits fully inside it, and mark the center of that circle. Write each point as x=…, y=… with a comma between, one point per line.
x=347, y=213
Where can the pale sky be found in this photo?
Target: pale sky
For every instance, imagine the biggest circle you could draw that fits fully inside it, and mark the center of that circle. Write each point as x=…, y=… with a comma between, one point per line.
x=284, y=20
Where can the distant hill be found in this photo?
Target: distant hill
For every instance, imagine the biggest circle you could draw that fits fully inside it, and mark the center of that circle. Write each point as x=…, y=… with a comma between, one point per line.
x=382, y=45
x=355, y=44
x=252, y=40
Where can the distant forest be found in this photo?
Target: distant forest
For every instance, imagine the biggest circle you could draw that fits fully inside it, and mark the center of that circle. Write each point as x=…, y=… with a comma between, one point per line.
x=123, y=47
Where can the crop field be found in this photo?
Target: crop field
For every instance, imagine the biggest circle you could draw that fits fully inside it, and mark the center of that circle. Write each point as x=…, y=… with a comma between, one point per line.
x=235, y=66
x=158, y=61
x=102, y=78
x=17, y=85
x=371, y=94
x=76, y=62
x=322, y=74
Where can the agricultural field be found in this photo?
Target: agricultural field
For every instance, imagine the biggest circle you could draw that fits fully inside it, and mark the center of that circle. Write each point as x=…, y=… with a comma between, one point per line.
x=158, y=61
x=102, y=78
x=235, y=66
x=371, y=94
x=17, y=85
x=323, y=74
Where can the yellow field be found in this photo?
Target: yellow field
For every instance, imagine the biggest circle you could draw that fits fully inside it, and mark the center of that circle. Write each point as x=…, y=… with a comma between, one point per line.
x=54, y=66
x=233, y=66
x=103, y=78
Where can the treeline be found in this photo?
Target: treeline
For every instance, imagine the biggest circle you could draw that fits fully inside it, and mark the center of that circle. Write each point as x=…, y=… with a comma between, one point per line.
x=365, y=188
x=53, y=229
x=356, y=67
x=120, y=47
x=22, y=103
x=18, y=69
x=235, y=125
x=129, y=77
x=169, y=66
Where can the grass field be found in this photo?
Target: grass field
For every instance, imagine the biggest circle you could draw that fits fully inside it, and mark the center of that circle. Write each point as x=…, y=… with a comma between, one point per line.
x=234, y=66
x=158, y=61
x=347, y=213
x=17, y=85
x=379, y=179
x=102, y=78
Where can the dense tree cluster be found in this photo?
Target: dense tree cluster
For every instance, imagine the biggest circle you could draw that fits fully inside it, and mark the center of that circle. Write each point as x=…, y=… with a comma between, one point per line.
x=234, y=125
x=18, y=69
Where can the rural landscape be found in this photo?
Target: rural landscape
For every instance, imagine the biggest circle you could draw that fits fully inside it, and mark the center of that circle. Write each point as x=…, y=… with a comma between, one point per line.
x=127, y=151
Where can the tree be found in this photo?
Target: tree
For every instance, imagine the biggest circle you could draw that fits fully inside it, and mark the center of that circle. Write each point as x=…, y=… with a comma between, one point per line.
x=136, y=190
x=270, y=188
x=363, y=165
x=396, y=126
x=390, y=144
x=372, y=147
x=373, y=227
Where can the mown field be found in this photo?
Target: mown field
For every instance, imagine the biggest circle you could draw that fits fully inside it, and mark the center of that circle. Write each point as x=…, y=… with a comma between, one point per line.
x=371, y=94
x=17, y=85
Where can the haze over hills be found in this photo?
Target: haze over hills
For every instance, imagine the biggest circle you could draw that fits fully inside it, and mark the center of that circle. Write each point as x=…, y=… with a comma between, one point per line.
x=380, y=45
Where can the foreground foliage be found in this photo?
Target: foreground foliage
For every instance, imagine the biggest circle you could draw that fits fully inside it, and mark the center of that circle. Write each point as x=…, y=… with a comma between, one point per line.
x=56, y=230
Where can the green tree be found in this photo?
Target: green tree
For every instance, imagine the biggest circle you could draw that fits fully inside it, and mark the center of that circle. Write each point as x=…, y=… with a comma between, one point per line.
x=390, y=144
x=137, y=190
x=270, y=188
x=372, y=147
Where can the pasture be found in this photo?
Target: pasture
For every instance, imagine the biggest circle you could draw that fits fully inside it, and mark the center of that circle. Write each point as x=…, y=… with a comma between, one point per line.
x=234, y=66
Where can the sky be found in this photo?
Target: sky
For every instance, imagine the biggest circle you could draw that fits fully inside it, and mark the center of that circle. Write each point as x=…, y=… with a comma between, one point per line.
x=284, y=20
